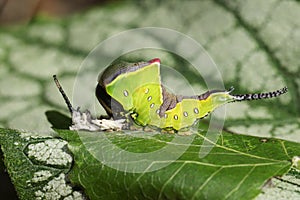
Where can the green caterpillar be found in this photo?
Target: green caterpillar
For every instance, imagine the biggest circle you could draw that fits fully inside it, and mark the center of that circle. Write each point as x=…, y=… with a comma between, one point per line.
x=136, y=88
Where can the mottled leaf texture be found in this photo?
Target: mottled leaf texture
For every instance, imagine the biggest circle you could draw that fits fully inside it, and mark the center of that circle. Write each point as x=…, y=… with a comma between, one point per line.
x=236, y=168
x=255, y=45
x=37, y=165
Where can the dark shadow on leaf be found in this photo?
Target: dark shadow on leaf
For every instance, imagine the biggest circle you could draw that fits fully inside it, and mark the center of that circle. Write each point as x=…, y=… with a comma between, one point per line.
x=8, y=190
x=58, y=120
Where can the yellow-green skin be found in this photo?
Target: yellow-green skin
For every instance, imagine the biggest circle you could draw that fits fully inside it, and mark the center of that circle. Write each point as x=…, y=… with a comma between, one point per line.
x=140, y=92
x=136, y=88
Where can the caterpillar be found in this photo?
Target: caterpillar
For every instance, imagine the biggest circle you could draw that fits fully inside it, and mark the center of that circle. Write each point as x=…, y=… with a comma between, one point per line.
x=136, y=89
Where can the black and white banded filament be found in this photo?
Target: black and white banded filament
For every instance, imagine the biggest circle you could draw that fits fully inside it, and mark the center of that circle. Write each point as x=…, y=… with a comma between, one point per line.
x=266, y=95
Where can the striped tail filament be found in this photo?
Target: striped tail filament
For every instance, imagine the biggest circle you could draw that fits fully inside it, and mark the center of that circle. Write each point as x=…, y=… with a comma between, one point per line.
x=256, y=96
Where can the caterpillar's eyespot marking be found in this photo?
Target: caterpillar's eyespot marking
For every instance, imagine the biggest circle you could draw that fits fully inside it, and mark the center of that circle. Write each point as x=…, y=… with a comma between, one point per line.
x=176, y=117
x=196, y=111
x=149, y=98
x=165, y=115
x=125, y=93
x=147, y=91
x=151, y=105
x=157, y=111
x=185, y=114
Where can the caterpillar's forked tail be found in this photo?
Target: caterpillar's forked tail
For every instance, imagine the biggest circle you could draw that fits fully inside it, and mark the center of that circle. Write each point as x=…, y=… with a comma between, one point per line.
x=256, y=96
x=70, y=107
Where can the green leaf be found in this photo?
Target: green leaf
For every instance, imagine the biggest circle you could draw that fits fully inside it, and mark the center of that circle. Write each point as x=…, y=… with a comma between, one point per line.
x=37, y=165
x=237, y=167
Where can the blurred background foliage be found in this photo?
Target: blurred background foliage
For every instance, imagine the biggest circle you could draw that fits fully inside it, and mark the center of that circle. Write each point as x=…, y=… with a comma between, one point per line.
x=14, y=12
